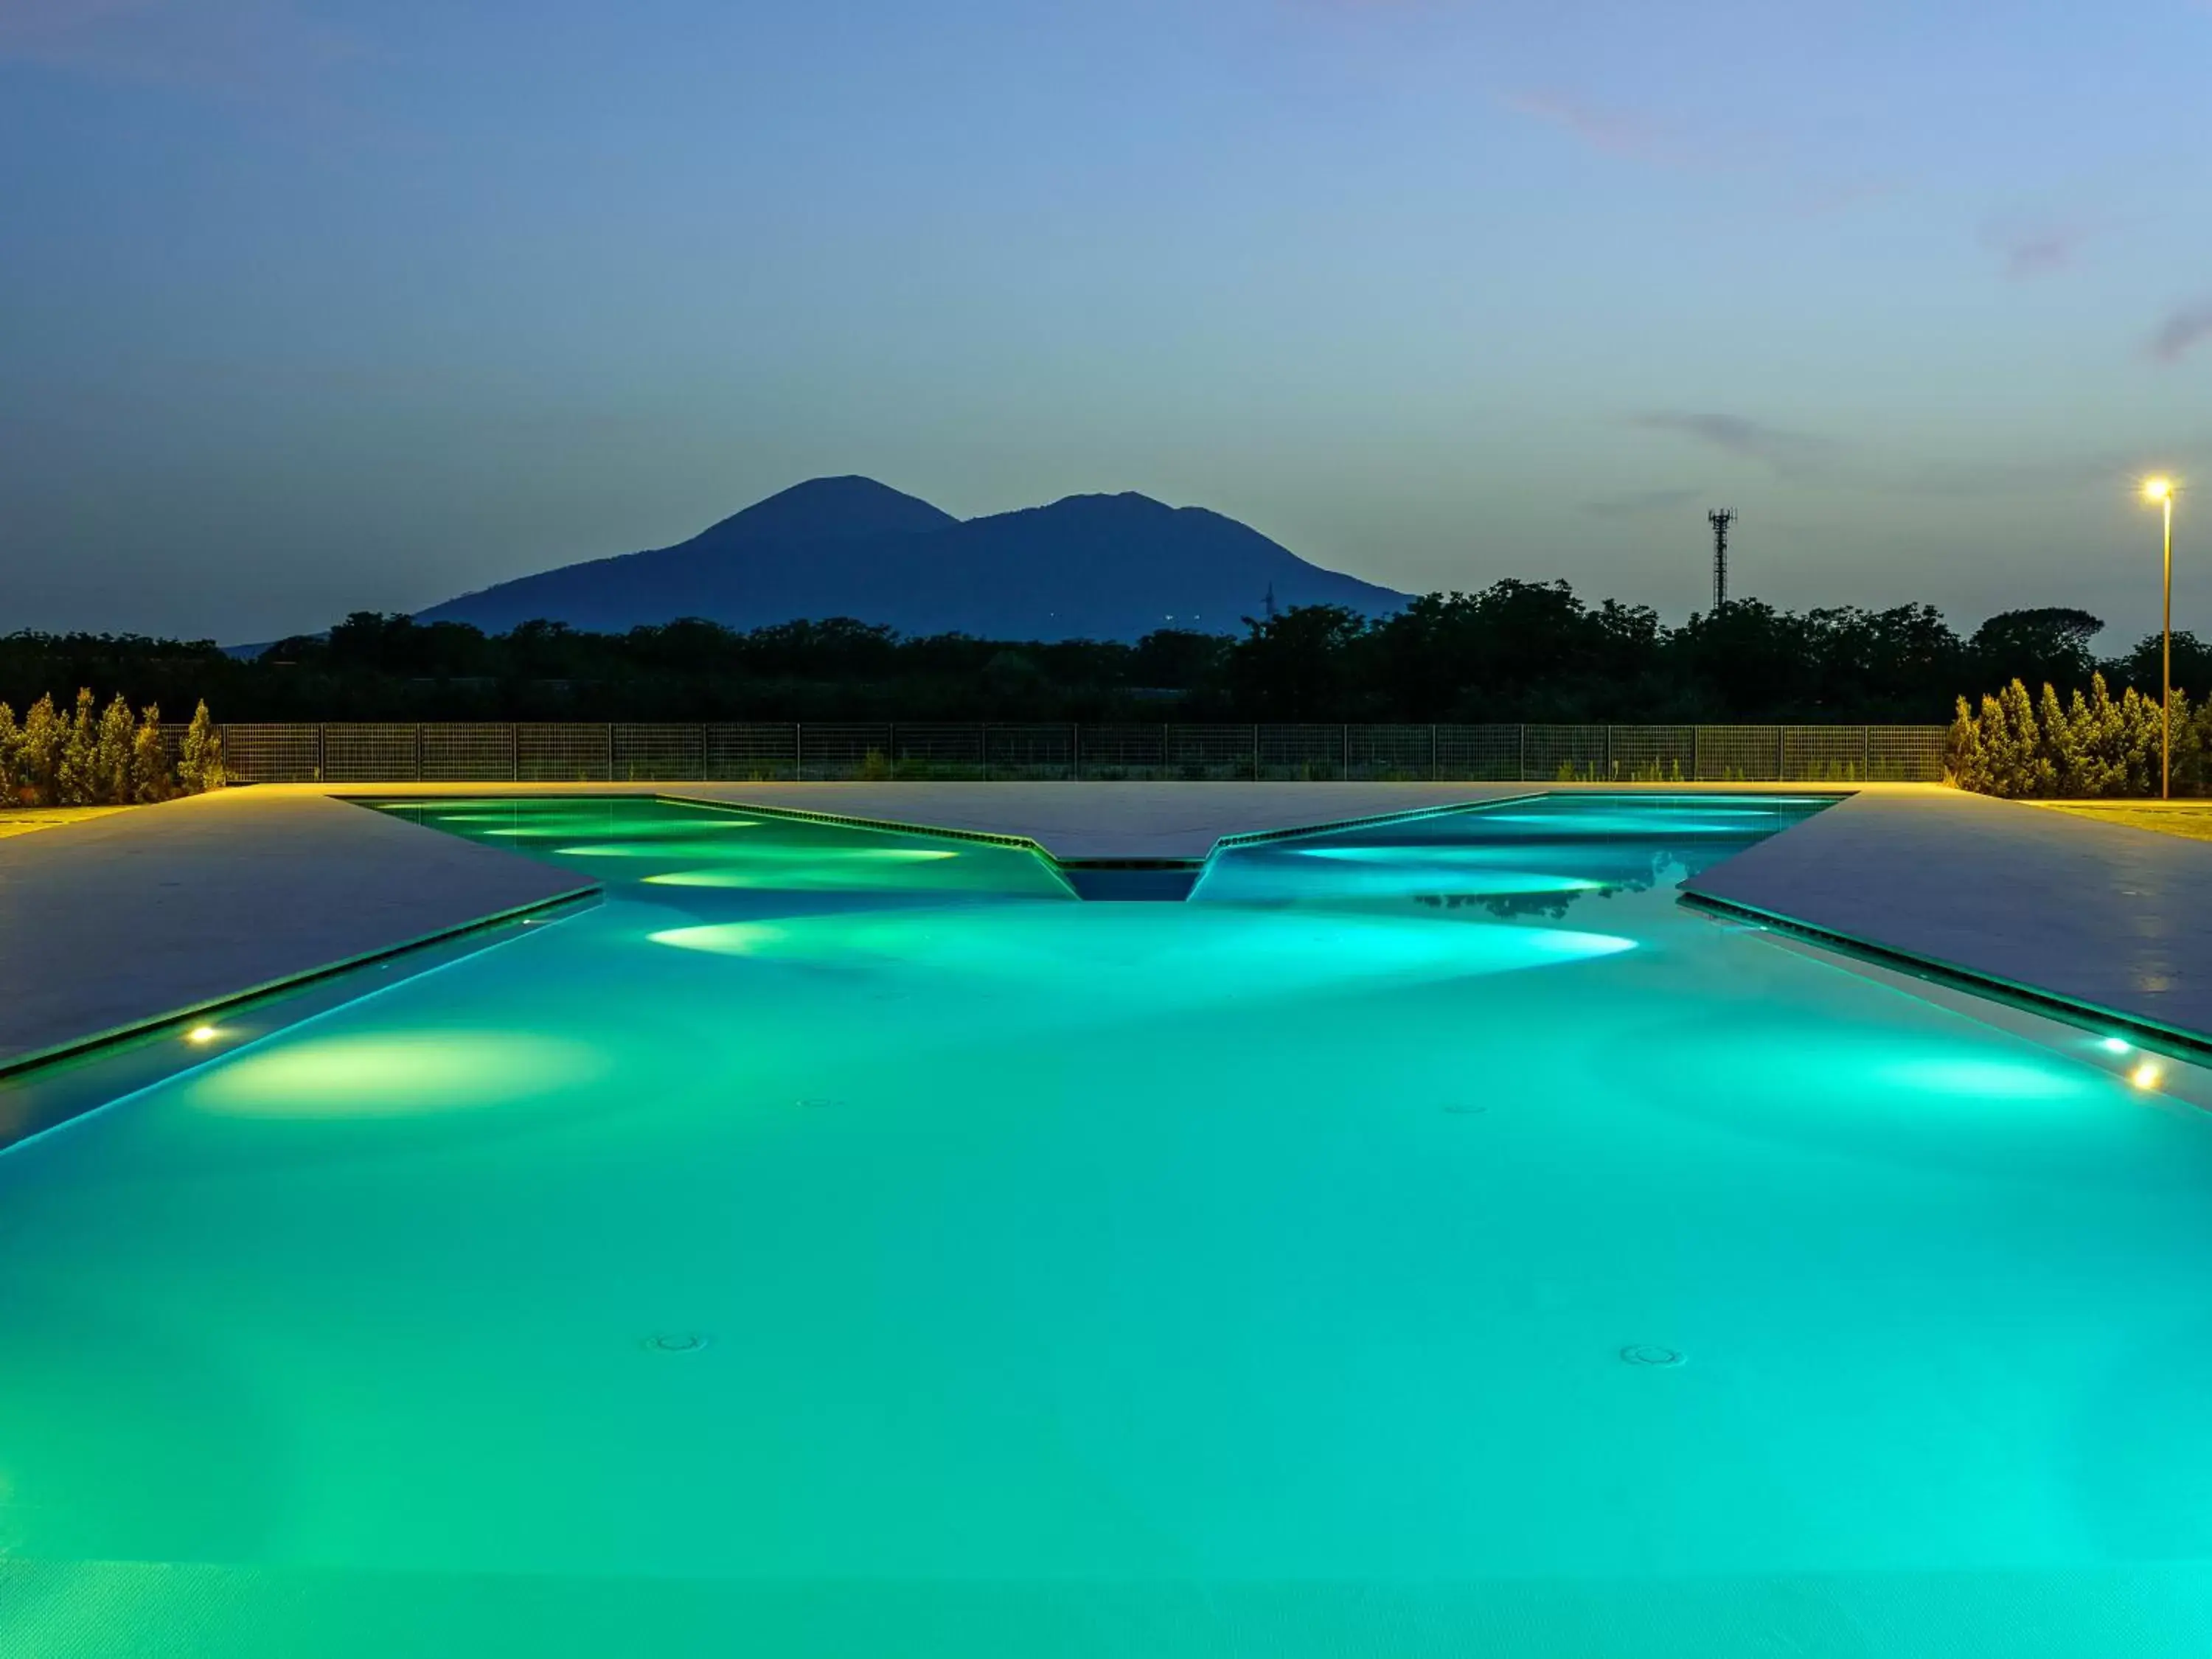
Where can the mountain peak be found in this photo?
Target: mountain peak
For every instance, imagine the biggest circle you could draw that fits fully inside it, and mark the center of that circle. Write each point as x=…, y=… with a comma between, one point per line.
x=1095, y=567
x=829, y=508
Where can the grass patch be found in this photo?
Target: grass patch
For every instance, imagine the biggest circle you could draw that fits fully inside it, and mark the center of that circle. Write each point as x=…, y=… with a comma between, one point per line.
x=22, y=820
x=2192, y=819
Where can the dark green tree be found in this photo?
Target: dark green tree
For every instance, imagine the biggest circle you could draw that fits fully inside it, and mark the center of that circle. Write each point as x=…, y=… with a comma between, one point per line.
x=77, y=778
x=2192, y=664
x=200, y=768
x=1296, y=665
x=11, y=758
x=2050, y=644
x=46, y=734
x=110, y=754
x=150, y=757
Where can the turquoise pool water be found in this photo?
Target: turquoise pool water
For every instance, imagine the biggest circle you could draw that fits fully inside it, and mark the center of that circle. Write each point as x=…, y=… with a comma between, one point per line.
x=1429, y=1238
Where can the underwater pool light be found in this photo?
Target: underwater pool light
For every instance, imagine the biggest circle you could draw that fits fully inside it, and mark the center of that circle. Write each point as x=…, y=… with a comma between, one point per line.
x=201, y=1033
x=2145, y=1076
x=2114, y=1045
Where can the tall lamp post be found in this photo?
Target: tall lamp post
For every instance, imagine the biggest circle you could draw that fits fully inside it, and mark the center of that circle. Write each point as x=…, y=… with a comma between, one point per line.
x=2161, y=491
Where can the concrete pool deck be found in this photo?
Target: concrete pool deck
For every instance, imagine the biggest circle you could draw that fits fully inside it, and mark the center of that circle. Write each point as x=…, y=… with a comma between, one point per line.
x=2103, y=916
x=140, y=916
x=132, y=920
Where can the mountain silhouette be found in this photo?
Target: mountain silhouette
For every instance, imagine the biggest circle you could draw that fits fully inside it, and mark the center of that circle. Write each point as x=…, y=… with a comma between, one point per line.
x=1090, y=567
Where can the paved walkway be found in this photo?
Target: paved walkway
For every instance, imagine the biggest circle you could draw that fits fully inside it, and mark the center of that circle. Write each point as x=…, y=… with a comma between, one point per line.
x=2096, y=914
x=135, y=917
x=1102, y=821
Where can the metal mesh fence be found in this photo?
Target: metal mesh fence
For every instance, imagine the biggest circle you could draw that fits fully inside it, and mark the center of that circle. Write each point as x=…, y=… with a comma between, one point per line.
x=564, y=754
x=941, y=751
x=468, y=754
x=1391, y=753
x=750, y=754
x=1122, y=751
x=1824, y=754
x=363, y=753
x=1481, y=753
x=1216, y=753
x=844, y=752
x=645, y=753
x=273, y=754
x=1567, y=754
x=1650, y=754
x=1905, y=754
x=1029, y=751
x=1303, y=751
x=1740, y=754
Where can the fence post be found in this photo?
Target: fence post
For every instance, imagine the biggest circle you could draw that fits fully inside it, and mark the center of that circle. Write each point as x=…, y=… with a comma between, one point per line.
x=610, y=752
x=1609, y=778
x=1255, y=751
x=798, y=751
x=321, y=774
x=514, y=752
x=1694, y=754
x=1433, y=773
x=1781, y=759
x=1521, y=769
x=1347, y=752
x=1075, y=751
x=1866, y=754
x=418, y=750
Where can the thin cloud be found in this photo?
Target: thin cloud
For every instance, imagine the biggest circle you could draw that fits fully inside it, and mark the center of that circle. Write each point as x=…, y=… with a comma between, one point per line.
x=1610, y=132
x=1637, y=503
x=2181, y=331
x=266, y=47
x=2028, y=251
x=1790, y=453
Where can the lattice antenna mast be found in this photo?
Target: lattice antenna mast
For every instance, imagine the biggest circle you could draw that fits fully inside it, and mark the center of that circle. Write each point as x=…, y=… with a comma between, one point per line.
x=1720, y=518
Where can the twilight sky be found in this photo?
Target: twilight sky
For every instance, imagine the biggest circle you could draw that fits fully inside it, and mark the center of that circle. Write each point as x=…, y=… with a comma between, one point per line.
x=310, y=305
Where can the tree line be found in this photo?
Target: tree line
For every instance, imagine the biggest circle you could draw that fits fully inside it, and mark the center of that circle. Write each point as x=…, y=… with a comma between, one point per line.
x=2085, y=746
x=89, y=757
x=1514, y=651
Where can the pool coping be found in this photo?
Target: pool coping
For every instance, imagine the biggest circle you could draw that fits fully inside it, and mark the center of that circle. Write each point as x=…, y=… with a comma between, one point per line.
x=74, y=1046
x=2182, y=1045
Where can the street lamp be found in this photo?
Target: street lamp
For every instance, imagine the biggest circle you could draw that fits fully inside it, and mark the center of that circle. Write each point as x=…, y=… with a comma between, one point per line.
x=2161, y=491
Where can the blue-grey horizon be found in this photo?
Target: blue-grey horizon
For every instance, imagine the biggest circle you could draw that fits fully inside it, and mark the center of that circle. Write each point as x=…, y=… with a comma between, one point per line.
x=316, y=306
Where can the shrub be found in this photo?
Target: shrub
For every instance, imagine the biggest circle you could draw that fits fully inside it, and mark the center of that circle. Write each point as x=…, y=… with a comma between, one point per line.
x=202, y=767
x=150, y=757
x=45, y=735
x=2091, y=745
x=2012, y=744
x=1963, y=766
x=76, y=778
x=93, y=757
x=110, y=754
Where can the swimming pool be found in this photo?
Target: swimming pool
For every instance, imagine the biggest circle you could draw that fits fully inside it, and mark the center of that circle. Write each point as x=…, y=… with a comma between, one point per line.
x=1430, y=1237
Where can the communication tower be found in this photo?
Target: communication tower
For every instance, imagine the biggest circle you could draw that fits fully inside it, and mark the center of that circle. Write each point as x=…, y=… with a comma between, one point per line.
x=1720, y=518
